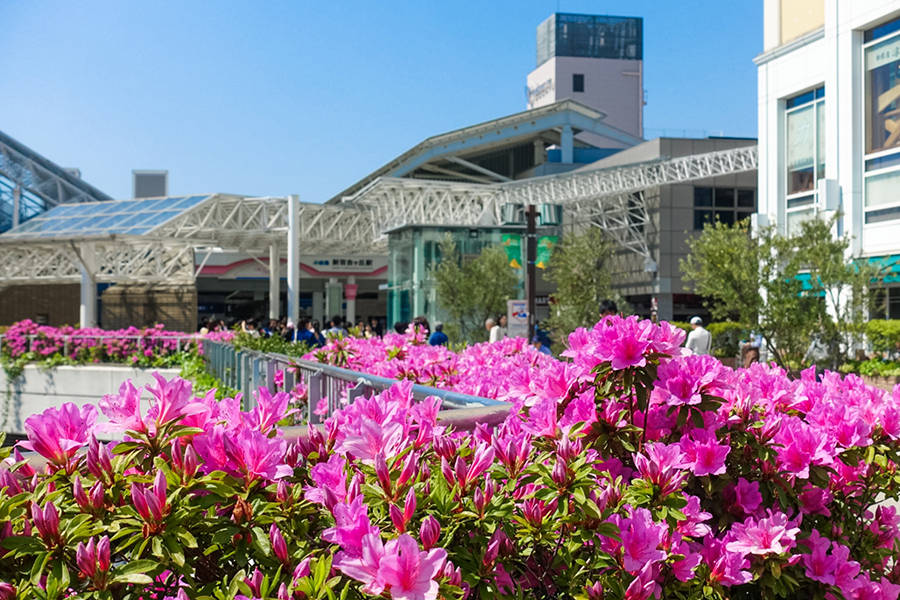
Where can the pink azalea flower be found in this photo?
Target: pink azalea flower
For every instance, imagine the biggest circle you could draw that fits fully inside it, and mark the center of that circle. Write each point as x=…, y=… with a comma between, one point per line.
x=641, y=538
x=744, y=495
x=174, y=400
x=662, y=465
x=772, y=535
x=256, y=456
x=820, y=566
x=364, y=565
x=123, y=409
x=409, y=572
x=332, y=475
x=703, y=452
x=351, y=525
x=58, y=433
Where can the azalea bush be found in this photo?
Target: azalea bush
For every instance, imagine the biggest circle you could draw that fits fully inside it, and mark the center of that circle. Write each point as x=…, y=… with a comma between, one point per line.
x=635, y=470
x=26, y=341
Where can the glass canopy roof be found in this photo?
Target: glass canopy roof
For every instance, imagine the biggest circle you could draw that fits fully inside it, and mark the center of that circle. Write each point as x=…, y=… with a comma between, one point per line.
x=132, y=217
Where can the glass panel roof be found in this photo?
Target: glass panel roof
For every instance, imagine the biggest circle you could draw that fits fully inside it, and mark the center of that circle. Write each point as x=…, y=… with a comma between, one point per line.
x=134, y=217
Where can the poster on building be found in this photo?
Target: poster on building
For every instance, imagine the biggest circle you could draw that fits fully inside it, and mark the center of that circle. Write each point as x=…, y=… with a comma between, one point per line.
x=512, y=243
x=517, y=318
x=545, y=246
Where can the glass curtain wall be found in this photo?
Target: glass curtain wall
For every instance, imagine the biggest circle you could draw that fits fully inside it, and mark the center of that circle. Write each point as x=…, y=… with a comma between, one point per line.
x=805, y=153
x=882, y=101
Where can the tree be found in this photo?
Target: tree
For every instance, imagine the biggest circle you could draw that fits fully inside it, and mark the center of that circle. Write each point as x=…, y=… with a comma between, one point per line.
x=787, y=288
x=578, y=267
x=474, y=291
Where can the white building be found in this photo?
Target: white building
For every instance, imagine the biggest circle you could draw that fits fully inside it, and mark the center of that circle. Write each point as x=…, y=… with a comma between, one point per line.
x=829, y=120
x=596, y=60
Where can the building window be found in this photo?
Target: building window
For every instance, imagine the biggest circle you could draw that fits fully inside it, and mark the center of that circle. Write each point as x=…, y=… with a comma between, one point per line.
x=726, y=205
x=805, y=141
x=882, y=161
x=577, y=83
x=885, y=303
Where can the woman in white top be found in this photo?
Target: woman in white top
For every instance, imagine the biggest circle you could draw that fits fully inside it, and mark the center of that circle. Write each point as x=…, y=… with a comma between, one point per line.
x=499, y=331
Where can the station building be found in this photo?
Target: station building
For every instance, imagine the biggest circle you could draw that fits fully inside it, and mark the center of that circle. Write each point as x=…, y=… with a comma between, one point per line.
x=577, y=152
x=829, y=123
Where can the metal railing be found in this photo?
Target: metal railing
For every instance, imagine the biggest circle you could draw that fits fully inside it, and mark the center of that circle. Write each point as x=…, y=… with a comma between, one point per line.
x=181, y=341
x=248, y=370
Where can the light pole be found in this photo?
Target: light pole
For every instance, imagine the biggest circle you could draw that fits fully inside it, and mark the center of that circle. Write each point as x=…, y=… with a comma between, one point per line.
x=530, y=259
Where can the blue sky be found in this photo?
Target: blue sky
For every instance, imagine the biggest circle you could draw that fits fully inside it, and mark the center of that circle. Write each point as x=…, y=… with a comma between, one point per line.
x=276, y=98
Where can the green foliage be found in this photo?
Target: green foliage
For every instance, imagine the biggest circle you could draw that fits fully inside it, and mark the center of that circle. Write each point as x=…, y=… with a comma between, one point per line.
x=726, y=338
x=787, y=288
x=275, y=345
x=884, y=335
x=194, y=369
x=686, y=327
x=578, y=268
x=474, y=291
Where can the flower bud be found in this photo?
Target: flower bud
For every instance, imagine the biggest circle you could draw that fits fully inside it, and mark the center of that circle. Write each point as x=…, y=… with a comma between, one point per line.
x=560, y=474
x=595, y=591
x=190, y=463
x=409, y=508
x=85, y=559
x=329, y=498
x=397, y=518
x=478, y=500
x=81, y=498
x=409, y=469
x=7, y=591
x=283, y=593
x=301, y=571
x=25, y=470
x=279, y=546
x=452, y=575
x=354, y=488
x=283, y=492
x=429, y=532
x=383, y=474
x=103, y=561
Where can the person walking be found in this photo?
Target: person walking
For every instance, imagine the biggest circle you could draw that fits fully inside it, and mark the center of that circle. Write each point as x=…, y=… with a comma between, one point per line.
x=438, y=338
x=699, y=339
x=500, y=330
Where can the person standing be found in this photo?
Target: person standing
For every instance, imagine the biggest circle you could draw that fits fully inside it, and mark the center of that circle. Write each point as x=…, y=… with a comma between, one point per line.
x=489, y=324
x=699, y=339
x=438, y=338
x=500, y=330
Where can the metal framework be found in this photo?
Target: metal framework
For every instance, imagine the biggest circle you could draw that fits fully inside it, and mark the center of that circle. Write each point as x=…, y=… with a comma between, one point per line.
x=32, y=172
x=611, y=199
x=112, y=260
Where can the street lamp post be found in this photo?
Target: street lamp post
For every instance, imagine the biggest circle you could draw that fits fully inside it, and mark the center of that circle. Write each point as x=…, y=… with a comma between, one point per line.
x=530, y=267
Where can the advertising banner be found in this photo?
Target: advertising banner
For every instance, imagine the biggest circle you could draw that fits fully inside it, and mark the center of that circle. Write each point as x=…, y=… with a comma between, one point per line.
x=512, y=243
x=517, y=317
x=544, y=250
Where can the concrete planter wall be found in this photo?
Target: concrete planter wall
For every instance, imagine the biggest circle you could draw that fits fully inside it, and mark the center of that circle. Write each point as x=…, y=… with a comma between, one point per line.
x=885, y=383
x=37, y=390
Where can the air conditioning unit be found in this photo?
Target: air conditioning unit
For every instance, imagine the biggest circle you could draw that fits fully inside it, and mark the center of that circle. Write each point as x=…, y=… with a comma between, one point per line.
x=150, y=184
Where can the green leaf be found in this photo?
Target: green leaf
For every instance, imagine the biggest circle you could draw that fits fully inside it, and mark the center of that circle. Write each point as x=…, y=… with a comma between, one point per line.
x=185, y=536
x=136, y=566
x=138, y=578
x=261, y=541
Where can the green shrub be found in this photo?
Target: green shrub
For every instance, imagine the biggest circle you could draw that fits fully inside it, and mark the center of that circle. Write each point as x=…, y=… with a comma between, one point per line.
x=681, y=325
x=726, y=338
x=275, y=344
x=879, y=368
x=884, y=335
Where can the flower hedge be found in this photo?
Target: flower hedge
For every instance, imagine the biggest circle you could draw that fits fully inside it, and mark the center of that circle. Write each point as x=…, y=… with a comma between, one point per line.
x=635, y=470
x=150, y=346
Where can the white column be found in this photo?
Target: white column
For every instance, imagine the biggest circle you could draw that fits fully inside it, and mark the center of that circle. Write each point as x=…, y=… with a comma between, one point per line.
x=274, y=281
x=293, y=259
x=88, y=312
x=419, y=273
x=333, y=297
x=567, y=143
x=351, y=302
x=318, y=307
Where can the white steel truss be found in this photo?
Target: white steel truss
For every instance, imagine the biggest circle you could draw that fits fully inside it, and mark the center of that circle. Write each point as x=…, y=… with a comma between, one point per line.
x=117, y=260
x=611, y=199
x=252, y=224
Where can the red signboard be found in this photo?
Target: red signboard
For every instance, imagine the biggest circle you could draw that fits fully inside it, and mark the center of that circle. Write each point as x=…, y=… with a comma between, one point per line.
x=350, y=291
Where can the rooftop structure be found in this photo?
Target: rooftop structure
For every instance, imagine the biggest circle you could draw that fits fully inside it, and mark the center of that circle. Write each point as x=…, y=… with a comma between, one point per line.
x=590, y=36
x=30, y=184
